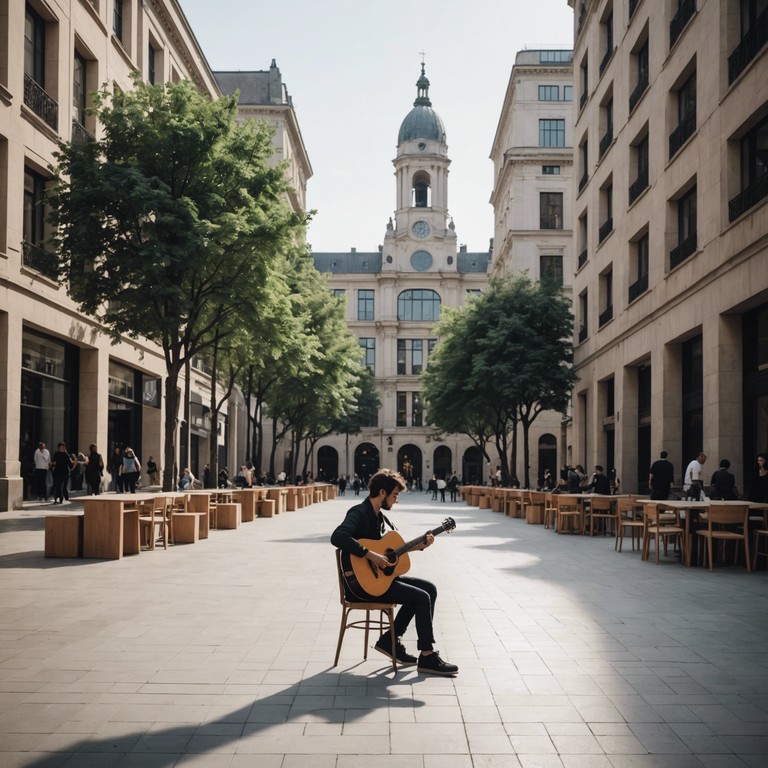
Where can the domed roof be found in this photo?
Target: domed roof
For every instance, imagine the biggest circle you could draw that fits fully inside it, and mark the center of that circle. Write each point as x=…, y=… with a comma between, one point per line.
x=422, y=122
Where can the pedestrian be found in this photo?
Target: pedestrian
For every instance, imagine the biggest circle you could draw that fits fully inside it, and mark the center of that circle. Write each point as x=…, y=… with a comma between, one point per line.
x=152, y=471
x=187, y=480
x=661, y=477
x=432, y=487
x=356, y=484
x=441, y=484
x=415, y=596
x=342, y=484
x=131, y=469
x=693, y=481
x=453, y=487
x=116, y=469
x=723, y=484
x=599, y=482
x=42, y=468
x=62, y=465
x=207, y=476
x=758, y=488
x=94, y=469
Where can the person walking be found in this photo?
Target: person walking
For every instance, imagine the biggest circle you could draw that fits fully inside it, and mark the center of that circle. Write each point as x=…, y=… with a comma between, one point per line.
x=116, y=470
x=441, y=484
x=62, y=466
x=661, y=477
x=693, y=482
x=131, y=469
x=453, y=487
x=42, y=468
x=94, y=469
x=152, y=471
x=415, y=596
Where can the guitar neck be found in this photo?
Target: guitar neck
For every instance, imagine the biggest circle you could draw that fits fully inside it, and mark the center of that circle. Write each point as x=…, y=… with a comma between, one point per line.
x=409, y=545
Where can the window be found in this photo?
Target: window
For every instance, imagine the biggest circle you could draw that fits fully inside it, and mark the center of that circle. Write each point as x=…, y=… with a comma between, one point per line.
x=584, y=75
x=551, y=210
x=606, y=119
x=551, y=270
x=416, y=410
x=639, y=156
x=640, y=61
x=583, y=239
x=551, y=133
x=583, y=316
x=606, y=28
x=420, y=305
x=34, y=255
x=369, y=353
x=550, y=170
x=410, y=357
x=339, y=293
x=549, y=93
x=753, y=152
x=686, y=229
x=421, y=194
x=685, y=11
x=606, y=204
x=753, y=36
x=402, y=409
x=404, y=399
x=639, y=267
x=606, y=298
x=151, y=64
x=117, y=19
x=365, y=308
x=686, y=113
x=555, y=57
x=584, y=160
x=567, y=93
x=34, y=47
x=78, y=89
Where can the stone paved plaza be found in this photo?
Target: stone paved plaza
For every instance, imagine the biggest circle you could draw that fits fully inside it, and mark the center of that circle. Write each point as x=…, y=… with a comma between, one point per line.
x=219, y=654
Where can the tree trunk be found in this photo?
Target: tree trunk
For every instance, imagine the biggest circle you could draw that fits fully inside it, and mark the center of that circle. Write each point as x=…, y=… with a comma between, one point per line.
x=171, y=423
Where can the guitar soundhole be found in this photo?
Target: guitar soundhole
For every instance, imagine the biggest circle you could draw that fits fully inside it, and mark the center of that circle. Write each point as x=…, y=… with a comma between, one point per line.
x=392, y=557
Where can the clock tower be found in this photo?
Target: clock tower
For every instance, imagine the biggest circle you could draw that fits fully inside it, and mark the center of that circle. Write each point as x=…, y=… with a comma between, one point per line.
x=422, y=237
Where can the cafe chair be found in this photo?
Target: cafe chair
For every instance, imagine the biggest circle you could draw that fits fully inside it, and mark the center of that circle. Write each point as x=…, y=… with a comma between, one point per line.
x=379, y=625
x=761, y=535
x=533, y=508
x=152, y=514
x=726, y=523
x=660, y=531
x=627, y=520
x=550, y=510
x=568, y=508
x=600, y=508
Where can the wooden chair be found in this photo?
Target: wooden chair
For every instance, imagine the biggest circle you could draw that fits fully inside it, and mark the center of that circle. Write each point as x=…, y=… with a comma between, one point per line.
x=380, y=625
x=761, y=534
x=533, y=507
x=152, y=514
x=601, y=508
x=550, y=510
x=627, y=519
x=568, y=508
x=727, y=523
x=655, y=528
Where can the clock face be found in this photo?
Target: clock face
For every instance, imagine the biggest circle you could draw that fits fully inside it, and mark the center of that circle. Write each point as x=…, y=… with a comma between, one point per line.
x=420, y=229
x=421, y=261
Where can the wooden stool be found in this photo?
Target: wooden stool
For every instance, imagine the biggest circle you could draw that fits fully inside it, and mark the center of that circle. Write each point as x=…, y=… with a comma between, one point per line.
x=229, y=516
x=267, y=508
x=64, y=536
x=186, y=527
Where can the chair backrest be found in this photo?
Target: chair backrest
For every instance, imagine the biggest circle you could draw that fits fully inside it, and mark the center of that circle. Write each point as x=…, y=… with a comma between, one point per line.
x=536, y=498
x=601, y=503
x=626, y=507
x=339, y=566
x=728, y=514
x=566, y=503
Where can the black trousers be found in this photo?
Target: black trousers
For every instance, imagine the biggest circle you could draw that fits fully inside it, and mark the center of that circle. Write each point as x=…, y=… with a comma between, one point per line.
x=41, y=483
x=416, y=598
x=60, y=482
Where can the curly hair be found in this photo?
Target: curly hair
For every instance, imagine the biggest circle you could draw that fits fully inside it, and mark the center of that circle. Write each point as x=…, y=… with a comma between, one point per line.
x=387, y=480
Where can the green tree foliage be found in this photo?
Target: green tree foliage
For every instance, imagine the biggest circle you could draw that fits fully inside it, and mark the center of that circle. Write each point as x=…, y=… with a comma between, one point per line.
x=502, y=359
x=165, y=223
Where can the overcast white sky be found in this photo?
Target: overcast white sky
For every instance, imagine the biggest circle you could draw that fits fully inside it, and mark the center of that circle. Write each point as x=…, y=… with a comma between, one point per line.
x=351, y=67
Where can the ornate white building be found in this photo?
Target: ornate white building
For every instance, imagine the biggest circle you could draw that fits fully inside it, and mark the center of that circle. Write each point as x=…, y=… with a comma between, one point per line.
x=394, y=297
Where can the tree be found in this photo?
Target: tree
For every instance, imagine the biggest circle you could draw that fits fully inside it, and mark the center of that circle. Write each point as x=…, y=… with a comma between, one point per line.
x=163, y=221
x=505, y=357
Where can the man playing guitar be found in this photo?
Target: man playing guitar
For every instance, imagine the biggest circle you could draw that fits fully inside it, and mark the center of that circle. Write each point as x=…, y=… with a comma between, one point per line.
x=416, y=597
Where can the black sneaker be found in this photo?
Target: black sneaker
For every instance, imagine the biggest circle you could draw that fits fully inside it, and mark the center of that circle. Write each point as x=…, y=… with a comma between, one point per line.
x=434, y=665
x=384, y=645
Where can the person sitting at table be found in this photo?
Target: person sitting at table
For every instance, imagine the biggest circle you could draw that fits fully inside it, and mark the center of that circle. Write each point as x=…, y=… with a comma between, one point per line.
x=758, y=489
x=187, y=480
x=599, y=482
x=723, y=485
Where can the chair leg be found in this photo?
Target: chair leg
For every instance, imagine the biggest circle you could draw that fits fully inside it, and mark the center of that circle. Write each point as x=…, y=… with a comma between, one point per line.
x=342, y=629
x=392, y=636
x=367, y=631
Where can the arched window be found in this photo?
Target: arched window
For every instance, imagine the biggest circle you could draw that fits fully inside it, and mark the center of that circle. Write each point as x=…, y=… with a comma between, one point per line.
x=422, y=190
x=418, y=304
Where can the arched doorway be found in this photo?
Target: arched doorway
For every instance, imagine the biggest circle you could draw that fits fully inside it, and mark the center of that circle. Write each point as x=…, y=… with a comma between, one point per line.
x=472, y=466
x=366, y=461
x=409, y=463
x=327, y=463
x=547, y=457
x=442, y=461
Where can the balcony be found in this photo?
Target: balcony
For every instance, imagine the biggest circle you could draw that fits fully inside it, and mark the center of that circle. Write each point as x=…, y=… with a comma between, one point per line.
x=682, y=133
x=749, y=47
x=41, y=103
x=605, y=142
x=638, y=185
x=583, y=181
x=79, y=134
x=37, y=258
x=582, y=333
x=633, y=7
x=638, y=288
x=683, y=251
x=637, y=93
x=680, y=21
x=751, y=196
x=605, y=316
x=583, y=258
x=605, y=229
x=606, y=60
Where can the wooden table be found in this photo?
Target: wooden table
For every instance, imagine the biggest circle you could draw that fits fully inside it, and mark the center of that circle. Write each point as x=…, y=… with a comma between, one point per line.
x=249, y=499
x=111, y=524
x=278, y=495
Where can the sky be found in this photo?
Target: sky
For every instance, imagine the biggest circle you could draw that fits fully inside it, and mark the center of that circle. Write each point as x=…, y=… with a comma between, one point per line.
x=350, y=67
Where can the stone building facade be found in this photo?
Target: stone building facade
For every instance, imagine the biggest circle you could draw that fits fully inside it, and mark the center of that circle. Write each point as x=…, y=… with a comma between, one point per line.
x=671, y=225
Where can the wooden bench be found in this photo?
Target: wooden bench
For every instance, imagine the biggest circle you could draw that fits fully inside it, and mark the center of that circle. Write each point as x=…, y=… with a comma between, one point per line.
x=64, y=536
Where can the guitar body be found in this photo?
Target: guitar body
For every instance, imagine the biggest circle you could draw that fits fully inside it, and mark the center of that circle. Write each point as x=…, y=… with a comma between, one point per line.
x=370, y=579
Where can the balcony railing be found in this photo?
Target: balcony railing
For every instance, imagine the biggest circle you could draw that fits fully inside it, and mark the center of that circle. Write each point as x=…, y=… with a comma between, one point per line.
x=79, y=134
x=606, y=141
x=682, y=133
x=633, y=7
x=749, y=47
x=605, y=229
x=583, y=258
x=639, y=287
x=683, y=251
x=605, y=60
x=41, y=103
x=605, y=316
x=35, y=257
x=638, y=185
x=583, y=181
x=582, y=333
x=637, y=93
x=752, y=195
x=682, y=17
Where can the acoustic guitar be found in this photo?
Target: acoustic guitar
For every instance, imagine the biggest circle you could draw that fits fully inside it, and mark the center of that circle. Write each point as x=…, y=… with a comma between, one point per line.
x=374, y=581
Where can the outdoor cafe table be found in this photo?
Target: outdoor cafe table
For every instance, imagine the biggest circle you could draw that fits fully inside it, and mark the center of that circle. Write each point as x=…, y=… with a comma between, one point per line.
x=249, y=499
x=111, y=524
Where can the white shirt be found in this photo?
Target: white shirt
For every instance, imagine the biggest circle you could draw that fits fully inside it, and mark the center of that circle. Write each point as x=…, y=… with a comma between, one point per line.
x=693, y=472
x=42, y=459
